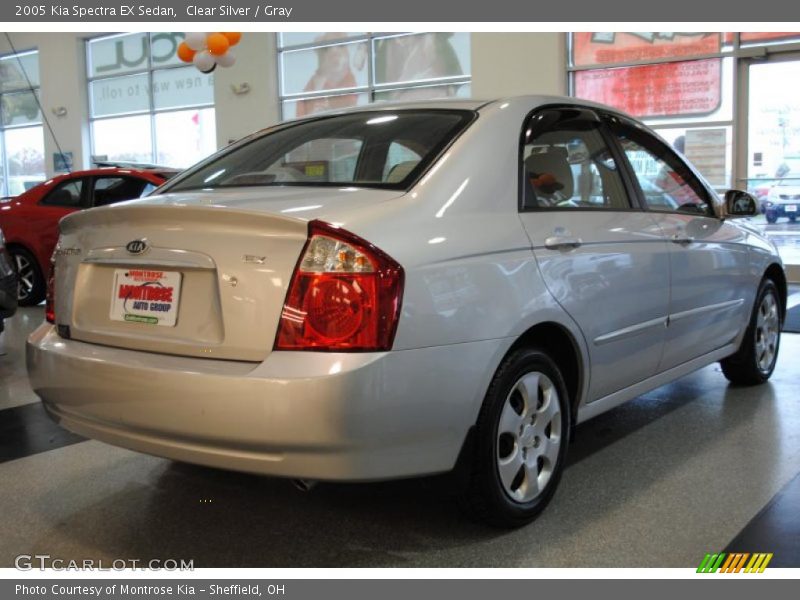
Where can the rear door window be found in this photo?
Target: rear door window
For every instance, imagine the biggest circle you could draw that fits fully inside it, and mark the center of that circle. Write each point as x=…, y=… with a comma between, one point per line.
x=110, y=190
x=566, y=164
x=67, y=194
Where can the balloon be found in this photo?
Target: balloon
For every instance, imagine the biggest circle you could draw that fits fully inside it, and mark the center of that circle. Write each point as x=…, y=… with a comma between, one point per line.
x=196, y=40
x=204, y=61
x=185, y=53
x=233, y=37
x=217, y=44
x=226, y=60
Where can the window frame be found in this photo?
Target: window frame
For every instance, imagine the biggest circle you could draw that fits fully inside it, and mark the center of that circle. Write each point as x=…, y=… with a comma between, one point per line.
x=149, y=70
x=35, y=91
x=634, y=200
x=372, y=87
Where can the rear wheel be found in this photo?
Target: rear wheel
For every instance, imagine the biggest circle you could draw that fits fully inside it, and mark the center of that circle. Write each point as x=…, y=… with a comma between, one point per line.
x=755, y=360
x=521, y=441
x=31, y=285
x=771, y=217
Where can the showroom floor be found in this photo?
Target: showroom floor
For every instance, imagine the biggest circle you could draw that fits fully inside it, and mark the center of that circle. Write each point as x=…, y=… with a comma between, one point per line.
x=693, y=467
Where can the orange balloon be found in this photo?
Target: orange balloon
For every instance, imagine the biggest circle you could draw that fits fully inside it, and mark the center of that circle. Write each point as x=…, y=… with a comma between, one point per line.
x=233, y=37
x=185, y=53
x=217, y=44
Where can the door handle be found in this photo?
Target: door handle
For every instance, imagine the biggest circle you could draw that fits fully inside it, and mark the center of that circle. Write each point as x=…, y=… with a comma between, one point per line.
x=558, y=242
x=682, y=239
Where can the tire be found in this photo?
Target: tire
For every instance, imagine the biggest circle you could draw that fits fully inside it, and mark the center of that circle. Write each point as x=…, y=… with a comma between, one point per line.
x=772, y=218
x=511, y=433
x=792, y=219
x=32, y=286
x=755, y=359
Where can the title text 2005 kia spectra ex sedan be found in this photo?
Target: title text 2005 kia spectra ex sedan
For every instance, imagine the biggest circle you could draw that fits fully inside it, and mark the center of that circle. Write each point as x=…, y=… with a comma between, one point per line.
x=403, y=290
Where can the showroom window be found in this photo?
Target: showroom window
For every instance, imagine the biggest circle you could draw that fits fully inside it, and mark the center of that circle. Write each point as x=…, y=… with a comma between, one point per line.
x=146, y=106
x=326, y=71
x=22, y=135
x=681, y=84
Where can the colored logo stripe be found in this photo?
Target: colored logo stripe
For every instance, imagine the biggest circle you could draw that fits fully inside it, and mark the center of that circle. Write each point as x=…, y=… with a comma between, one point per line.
x=734, y=562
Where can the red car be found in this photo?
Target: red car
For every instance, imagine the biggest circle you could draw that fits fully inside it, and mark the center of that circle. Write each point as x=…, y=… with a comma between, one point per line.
x=30, y=220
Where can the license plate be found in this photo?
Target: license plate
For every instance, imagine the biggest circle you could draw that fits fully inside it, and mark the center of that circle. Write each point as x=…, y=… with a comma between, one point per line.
x=147, y=296
x=791, y=208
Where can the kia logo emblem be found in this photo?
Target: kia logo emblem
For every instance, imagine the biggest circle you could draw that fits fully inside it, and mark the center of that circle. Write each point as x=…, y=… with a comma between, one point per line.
x=136, y=246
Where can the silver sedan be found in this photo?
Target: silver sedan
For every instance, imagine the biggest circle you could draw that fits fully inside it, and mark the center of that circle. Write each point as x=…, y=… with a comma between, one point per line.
x=403, y=290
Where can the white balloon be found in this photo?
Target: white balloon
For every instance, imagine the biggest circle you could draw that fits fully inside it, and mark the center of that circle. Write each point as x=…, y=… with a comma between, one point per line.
x=226, y=60
x=204, y=61
x=196, y=40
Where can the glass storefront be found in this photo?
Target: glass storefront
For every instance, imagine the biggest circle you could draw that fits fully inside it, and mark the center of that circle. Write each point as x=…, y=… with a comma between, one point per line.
x=146, y=105
x=773, y=149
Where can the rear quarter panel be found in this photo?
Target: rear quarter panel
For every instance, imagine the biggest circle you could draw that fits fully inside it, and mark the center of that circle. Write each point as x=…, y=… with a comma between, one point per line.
x=470, y=270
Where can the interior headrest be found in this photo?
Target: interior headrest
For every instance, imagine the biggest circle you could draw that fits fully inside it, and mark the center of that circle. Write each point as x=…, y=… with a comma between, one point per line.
x=551, y=165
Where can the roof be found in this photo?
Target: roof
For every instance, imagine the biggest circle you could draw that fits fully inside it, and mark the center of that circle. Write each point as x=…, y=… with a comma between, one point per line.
x=530, y=100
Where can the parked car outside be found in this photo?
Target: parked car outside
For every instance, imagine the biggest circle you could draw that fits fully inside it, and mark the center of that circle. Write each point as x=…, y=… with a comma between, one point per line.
x=8, y=284
x=30, y=220
x=784, y=199
x=404, y=290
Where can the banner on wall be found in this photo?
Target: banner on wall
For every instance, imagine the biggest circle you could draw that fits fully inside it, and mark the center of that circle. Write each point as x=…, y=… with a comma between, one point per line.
x=766, y=36
x=602, y=48
x=690, y=88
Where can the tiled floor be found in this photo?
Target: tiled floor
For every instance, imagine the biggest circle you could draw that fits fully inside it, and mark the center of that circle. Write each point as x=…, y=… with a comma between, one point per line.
x=659, y=481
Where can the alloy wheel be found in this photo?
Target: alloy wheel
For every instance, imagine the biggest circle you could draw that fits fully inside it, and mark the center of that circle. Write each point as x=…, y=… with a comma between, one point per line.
x=26, y=277
x=768, y=325
x=529, y=437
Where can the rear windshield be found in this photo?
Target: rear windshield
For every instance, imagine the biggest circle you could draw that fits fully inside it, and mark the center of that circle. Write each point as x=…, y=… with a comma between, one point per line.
x=385, y=149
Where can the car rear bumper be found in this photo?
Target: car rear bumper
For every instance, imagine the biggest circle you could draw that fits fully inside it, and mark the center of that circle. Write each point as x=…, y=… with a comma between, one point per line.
x=310, y=415
x=781, y=211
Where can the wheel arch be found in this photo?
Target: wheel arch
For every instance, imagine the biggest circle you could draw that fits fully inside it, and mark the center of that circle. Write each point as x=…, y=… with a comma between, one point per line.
x=562, y=346
x=10, y=246
x=776, y=273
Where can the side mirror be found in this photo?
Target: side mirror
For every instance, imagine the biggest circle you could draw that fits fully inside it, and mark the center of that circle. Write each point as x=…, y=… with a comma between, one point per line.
x=740, y=204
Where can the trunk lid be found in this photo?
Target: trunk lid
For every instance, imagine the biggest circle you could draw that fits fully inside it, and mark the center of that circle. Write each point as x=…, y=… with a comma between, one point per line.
x=221, y=260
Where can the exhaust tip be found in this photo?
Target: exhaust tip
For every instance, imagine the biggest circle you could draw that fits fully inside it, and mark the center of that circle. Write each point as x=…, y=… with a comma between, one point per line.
x=304, y=485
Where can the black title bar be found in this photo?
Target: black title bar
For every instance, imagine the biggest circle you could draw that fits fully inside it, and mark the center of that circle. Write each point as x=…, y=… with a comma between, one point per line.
x=359, y=11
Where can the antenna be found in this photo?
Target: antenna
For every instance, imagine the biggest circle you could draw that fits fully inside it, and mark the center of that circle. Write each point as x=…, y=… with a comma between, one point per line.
x=35, y=97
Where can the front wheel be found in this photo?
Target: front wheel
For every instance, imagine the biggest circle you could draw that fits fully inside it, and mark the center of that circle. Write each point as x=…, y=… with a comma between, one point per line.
x=521, y=441
x=755, y=360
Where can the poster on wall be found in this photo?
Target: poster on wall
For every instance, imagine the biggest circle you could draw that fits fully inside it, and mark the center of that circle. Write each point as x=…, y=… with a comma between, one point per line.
x=706, y=149
x=666, y=89
x=603, y=48
x=62, y=162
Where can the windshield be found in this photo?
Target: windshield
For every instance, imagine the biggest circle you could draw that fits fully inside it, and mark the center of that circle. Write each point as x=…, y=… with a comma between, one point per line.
x=386, y=149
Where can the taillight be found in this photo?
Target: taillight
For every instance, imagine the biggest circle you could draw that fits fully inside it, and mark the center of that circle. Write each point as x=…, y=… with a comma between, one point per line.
x=50, y=296
x=345, y=295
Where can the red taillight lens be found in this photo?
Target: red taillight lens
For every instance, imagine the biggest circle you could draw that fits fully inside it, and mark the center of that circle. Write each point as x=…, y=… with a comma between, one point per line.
x=345, y=295
x=50, y=296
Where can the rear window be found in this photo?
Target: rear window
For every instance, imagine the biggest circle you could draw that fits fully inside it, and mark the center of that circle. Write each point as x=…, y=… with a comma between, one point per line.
x=385, y=149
